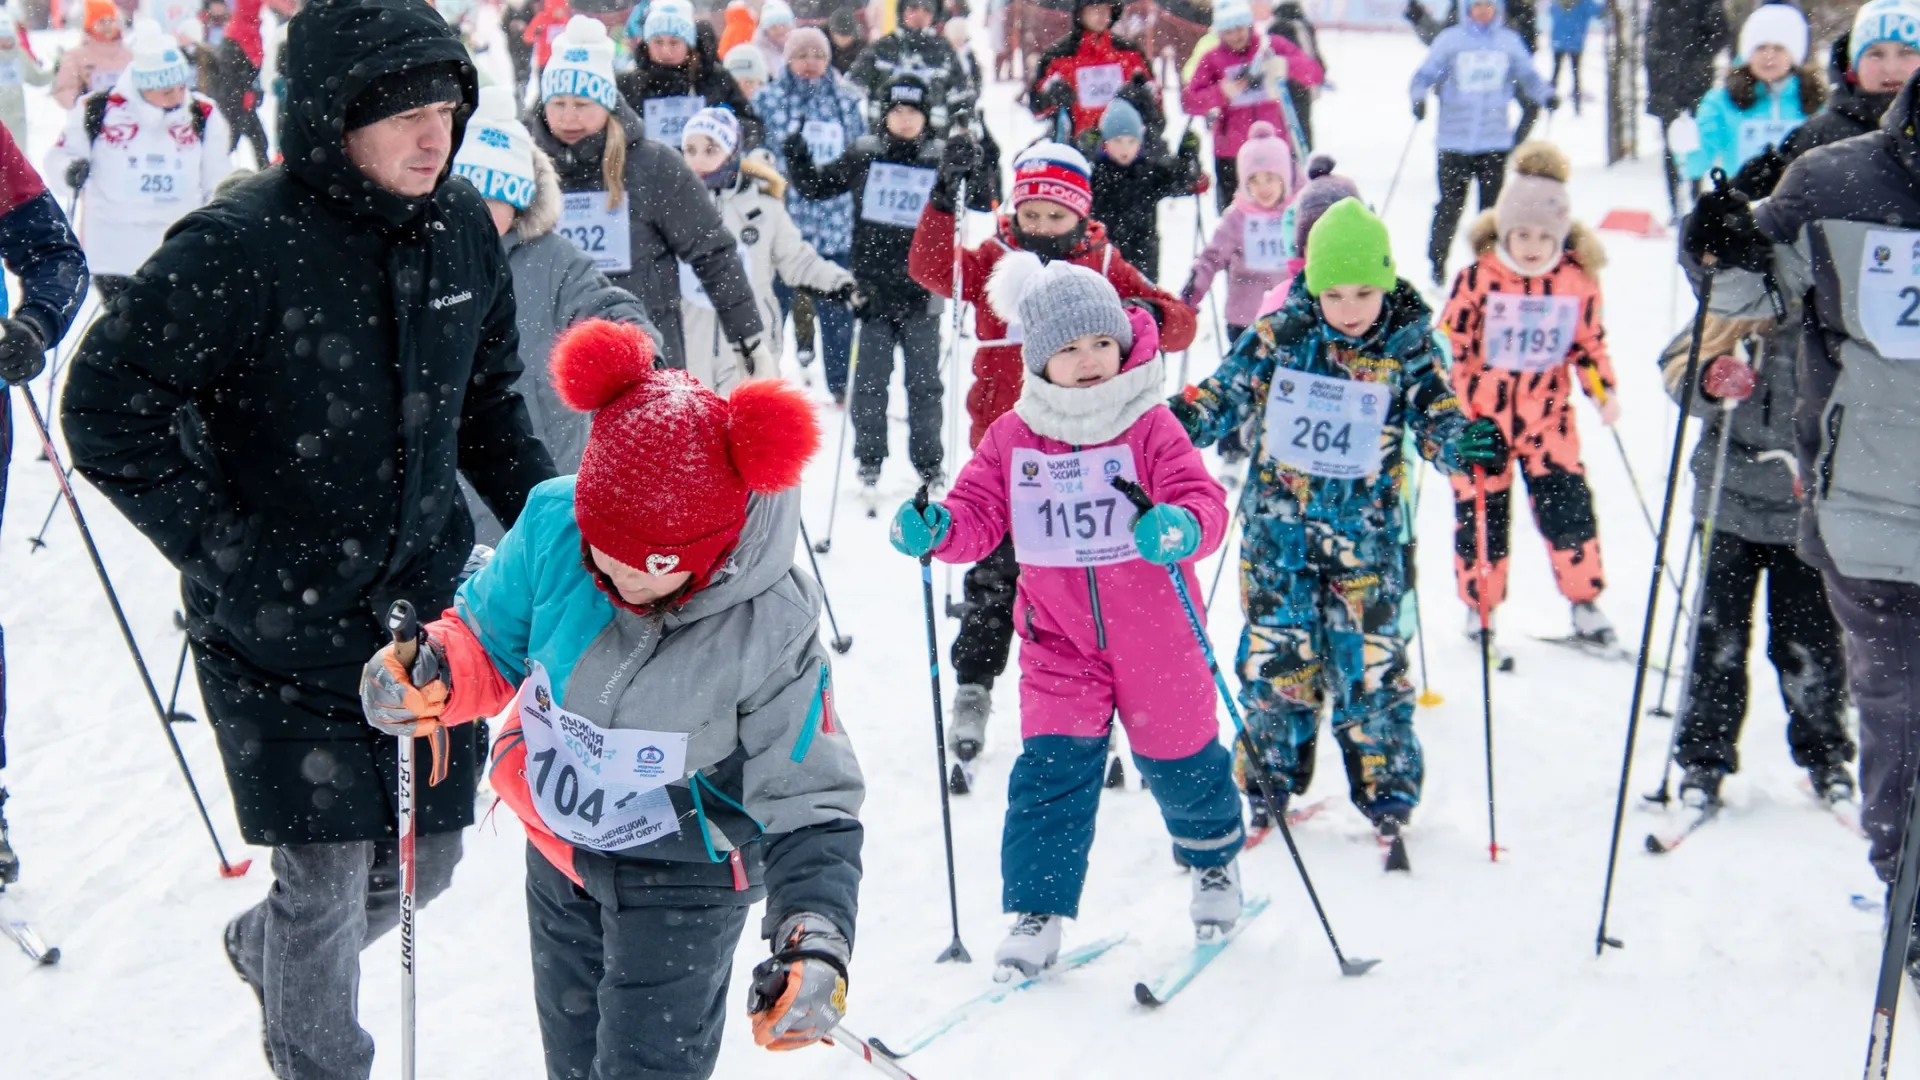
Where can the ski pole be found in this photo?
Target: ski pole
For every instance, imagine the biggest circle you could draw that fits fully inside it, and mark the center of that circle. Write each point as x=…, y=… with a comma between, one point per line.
x=39, y=540
x=1673, y=630
x=174, y=715
x=1899, y=934
x=1688, y=382
x=953, y=373
x=1482, y=601
x=1256, y=765
x=954, y=951
x=1394, y=183
x=1220, y=567
x=841, y=642
x=405, y=627
x=1714, y=490
x=227, y=869
x=1633, y=480
x=1427, y=698
x=840, y=455
x=860, y=1048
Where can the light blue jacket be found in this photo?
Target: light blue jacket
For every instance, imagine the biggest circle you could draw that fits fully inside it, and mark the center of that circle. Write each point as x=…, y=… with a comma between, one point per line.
x=1570, y=24
x=1730, y=135
x=785, y=105
x=1476, y=71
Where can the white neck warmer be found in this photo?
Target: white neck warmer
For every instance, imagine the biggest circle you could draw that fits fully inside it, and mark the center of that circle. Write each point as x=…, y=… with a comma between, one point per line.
x=1091, y=415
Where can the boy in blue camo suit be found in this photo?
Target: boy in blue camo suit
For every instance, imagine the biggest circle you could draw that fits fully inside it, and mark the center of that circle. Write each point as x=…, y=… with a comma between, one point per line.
x=1323, y=558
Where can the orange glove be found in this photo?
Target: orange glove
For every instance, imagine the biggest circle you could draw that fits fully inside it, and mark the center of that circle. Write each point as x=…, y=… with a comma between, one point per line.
x=800, y=992
x=406, y=703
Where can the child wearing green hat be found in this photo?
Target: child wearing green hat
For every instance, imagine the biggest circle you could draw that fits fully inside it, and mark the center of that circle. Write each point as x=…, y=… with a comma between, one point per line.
x=1338, y=373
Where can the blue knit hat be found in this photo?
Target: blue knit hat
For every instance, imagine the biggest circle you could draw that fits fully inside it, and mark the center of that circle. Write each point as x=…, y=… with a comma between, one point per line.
x=667, y=19
x=1120, y=119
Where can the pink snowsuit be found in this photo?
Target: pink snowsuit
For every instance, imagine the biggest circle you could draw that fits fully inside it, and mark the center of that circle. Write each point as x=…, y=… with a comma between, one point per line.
x=1228, y=250
x=1203, y=93
x=1276, y=297
x=1093, y=640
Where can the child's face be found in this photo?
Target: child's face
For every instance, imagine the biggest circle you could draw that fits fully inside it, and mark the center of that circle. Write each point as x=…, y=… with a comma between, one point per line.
x=1770, y=63
x=1266, y=189
x=906, y=122
x=1044, y=217
x=748, y=85
x=1532, y=249
x=1885, y=67
x=1085, y=361
x=704, y=156
x=1351, y=309
x=1236, y=39
x=636, y=586
x=1123, y=149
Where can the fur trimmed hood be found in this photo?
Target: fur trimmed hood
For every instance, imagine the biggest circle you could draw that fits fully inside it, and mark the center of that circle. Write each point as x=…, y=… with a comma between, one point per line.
x=539, y=219
x=1582, y=242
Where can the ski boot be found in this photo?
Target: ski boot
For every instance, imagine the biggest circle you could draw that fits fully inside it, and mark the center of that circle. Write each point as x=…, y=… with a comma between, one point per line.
x=1215, y=906
x=870, y=488
x=1700, y=787
x=972, y=704
x=1030, y=947
x=1261, y=815
x=1590, y=626
x=9, y=862
x=1832, y=782
x=1502, y=660
x=1389, y=821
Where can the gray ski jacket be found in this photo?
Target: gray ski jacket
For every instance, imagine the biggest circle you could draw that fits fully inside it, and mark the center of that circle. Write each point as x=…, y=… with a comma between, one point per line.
x=1757, y=500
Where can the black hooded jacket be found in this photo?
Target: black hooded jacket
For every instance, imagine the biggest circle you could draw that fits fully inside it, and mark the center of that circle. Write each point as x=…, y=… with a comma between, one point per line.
x=280, y=403
x=1848, y=111
x=702, y=74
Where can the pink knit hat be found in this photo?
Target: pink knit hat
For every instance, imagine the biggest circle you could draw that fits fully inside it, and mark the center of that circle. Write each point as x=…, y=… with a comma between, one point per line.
x=1265, y=152
x=1536, y=193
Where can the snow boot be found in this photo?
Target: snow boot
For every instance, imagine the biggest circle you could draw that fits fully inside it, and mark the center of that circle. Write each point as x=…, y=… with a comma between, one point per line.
x=1502, y=659
x=1030, y=947
x=1832, y=782
x=972, y=704
x=1700, y=787
x=1590, y=626
x=1215, y=906
x=870, y=488
x=9, y=862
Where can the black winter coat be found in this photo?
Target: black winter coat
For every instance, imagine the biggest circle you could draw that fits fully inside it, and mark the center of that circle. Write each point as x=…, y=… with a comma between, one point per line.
x=670, y=219
x=924, y=55
x=280, y=402
x=1682, y=38
x=1126, y=199
x=698, y=74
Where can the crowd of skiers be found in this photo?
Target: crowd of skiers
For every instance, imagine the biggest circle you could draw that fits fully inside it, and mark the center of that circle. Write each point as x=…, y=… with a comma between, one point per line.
x=521, y=344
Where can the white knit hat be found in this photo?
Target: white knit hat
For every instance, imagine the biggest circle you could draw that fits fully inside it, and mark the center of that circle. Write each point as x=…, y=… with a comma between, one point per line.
x=716, y=122
x=669, y=19
x=582, y=64
x=746, y=61
x=158, y=62
x=776, y=12
x=1775, y=24
x=497, y=153
x=1232, y=15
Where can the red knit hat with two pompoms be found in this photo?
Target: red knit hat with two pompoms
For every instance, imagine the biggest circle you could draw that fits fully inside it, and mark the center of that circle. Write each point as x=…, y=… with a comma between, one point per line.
x=669, y=464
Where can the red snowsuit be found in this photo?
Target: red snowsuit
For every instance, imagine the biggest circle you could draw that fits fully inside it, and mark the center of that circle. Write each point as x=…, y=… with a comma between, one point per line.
x=1097, y=71
x=997, y=368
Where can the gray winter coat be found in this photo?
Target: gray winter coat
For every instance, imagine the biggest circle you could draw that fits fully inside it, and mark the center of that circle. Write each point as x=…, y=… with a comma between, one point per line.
x=554, y=286
x=1757, y=501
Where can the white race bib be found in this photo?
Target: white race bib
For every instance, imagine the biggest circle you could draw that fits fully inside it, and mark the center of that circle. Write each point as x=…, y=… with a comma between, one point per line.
x=1066, y=511
x=1757, y=134
x=1096, y=85
x=826, y=140
x=693, y=292
x=1889, y=285
x=1529, y=333
x=605, y=235
x=1263, y=242
x=895, y=194
x=156, y=178
x=1481, y=71
x=597, y=787
x=1256, y=91
x=1325, y=426
x=10, y=71
x=667, y=116
x=98, y=80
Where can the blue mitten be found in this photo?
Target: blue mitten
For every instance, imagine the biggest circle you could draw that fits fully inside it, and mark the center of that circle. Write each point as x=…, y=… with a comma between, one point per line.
x=1166, y=534
x=918, y=532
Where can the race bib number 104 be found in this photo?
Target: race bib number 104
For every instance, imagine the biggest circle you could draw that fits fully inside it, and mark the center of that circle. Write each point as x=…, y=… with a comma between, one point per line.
x=599, y=788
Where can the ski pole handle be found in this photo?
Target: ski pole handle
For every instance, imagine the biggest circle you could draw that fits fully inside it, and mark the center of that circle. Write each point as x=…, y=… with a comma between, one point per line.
x=920, y=507
x=404, y=625
x=1135, y=494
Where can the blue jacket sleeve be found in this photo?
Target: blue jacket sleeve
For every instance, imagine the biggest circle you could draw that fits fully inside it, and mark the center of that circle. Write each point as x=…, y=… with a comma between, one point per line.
x=1238, y=387
x=39, y=248
x=1526, y=77
x=1434, y=69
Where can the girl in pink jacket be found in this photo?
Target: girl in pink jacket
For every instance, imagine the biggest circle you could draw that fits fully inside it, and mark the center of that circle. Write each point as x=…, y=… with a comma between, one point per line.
x=1240, y=82
x=1101, y=628
x=1254, y=239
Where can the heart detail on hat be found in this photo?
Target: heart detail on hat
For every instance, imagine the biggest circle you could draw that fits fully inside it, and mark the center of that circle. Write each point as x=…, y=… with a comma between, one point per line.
x=662, y=565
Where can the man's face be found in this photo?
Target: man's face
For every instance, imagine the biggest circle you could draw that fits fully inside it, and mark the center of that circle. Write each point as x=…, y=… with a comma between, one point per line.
x=407, y=152
x=170, y=98
x=917, y=17
x=1096, y=18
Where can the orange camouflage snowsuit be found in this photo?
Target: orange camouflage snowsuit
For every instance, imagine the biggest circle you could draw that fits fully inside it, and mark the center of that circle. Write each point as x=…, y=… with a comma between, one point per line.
x=1518, y=344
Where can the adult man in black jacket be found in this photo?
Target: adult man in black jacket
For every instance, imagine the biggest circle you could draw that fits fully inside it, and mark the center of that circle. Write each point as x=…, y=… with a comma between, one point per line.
x=1682, y=38
x=916, y=50
x=280, y=402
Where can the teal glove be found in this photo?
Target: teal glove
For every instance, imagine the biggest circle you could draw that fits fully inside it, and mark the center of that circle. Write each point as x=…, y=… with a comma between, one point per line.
x=1481, y=445
x=918, y=532
x=1166, y=534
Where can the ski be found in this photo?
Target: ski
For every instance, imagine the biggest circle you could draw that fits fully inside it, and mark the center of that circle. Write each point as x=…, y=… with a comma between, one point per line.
x=24, y=935
x=1659, y=845
x=1176, y=979
x=1844, y=811
x=1295, y=817
x=1393, y=843
x=1617, y=653
x=967, y=1010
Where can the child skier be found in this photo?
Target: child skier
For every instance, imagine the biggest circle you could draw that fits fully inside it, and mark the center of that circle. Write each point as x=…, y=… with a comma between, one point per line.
x=1242, y=81
x=1322, y=563
x=1761, y=101
x=18, y=66
x=1250, y=243
x=892, y=175
x=1570, y=20
x=1088, y=69
x=1131, y=176
x=1100, y=624
x=1323, y=188
x=652, y=604
x=94, y=65
x=749, y=193
x=1525, y=324
x=1051, y=197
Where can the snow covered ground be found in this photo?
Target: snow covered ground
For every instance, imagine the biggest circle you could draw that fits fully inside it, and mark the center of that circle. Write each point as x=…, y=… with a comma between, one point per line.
x=1743, y=955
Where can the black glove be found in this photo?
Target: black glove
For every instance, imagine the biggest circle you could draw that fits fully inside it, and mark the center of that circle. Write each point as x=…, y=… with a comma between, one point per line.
x=1553, y=102
x=1415, y=13
x=1722, y=226
x=1058, y=95
x=1187, y=413
x=1757, y=178
x=1190, y=146
x=22, y=353
x=77, y=174
x=1482, y=445
x=957, y=164
x=797, y=151
x=1420, y=110
x=842, y=295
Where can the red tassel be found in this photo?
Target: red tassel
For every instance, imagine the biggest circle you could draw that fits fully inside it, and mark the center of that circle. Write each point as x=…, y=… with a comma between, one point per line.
x=739, y=871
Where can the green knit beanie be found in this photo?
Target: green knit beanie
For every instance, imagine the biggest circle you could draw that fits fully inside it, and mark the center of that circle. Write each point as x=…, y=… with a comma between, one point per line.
x=1349, y=246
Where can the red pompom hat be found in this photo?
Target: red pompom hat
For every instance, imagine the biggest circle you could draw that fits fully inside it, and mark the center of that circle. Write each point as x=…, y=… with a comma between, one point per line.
x=669, y=464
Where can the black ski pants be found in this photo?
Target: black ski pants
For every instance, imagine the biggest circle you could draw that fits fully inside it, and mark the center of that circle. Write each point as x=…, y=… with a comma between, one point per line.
x=986, y=626
x=1803, y=644
x=1573, y=65
x=1458, y=172
x=1882, y=624
x=234, y=93
x=917, y=334
x=6, y=457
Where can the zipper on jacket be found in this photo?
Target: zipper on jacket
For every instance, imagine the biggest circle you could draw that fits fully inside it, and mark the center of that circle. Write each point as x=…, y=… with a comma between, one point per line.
x=1093, y=597
x=819, y=719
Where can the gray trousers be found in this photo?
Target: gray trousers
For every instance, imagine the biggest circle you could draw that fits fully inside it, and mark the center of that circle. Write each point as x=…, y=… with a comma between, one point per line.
x=1882, y=624
x=918, y=337
x=627, y=993
x=300, y=947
